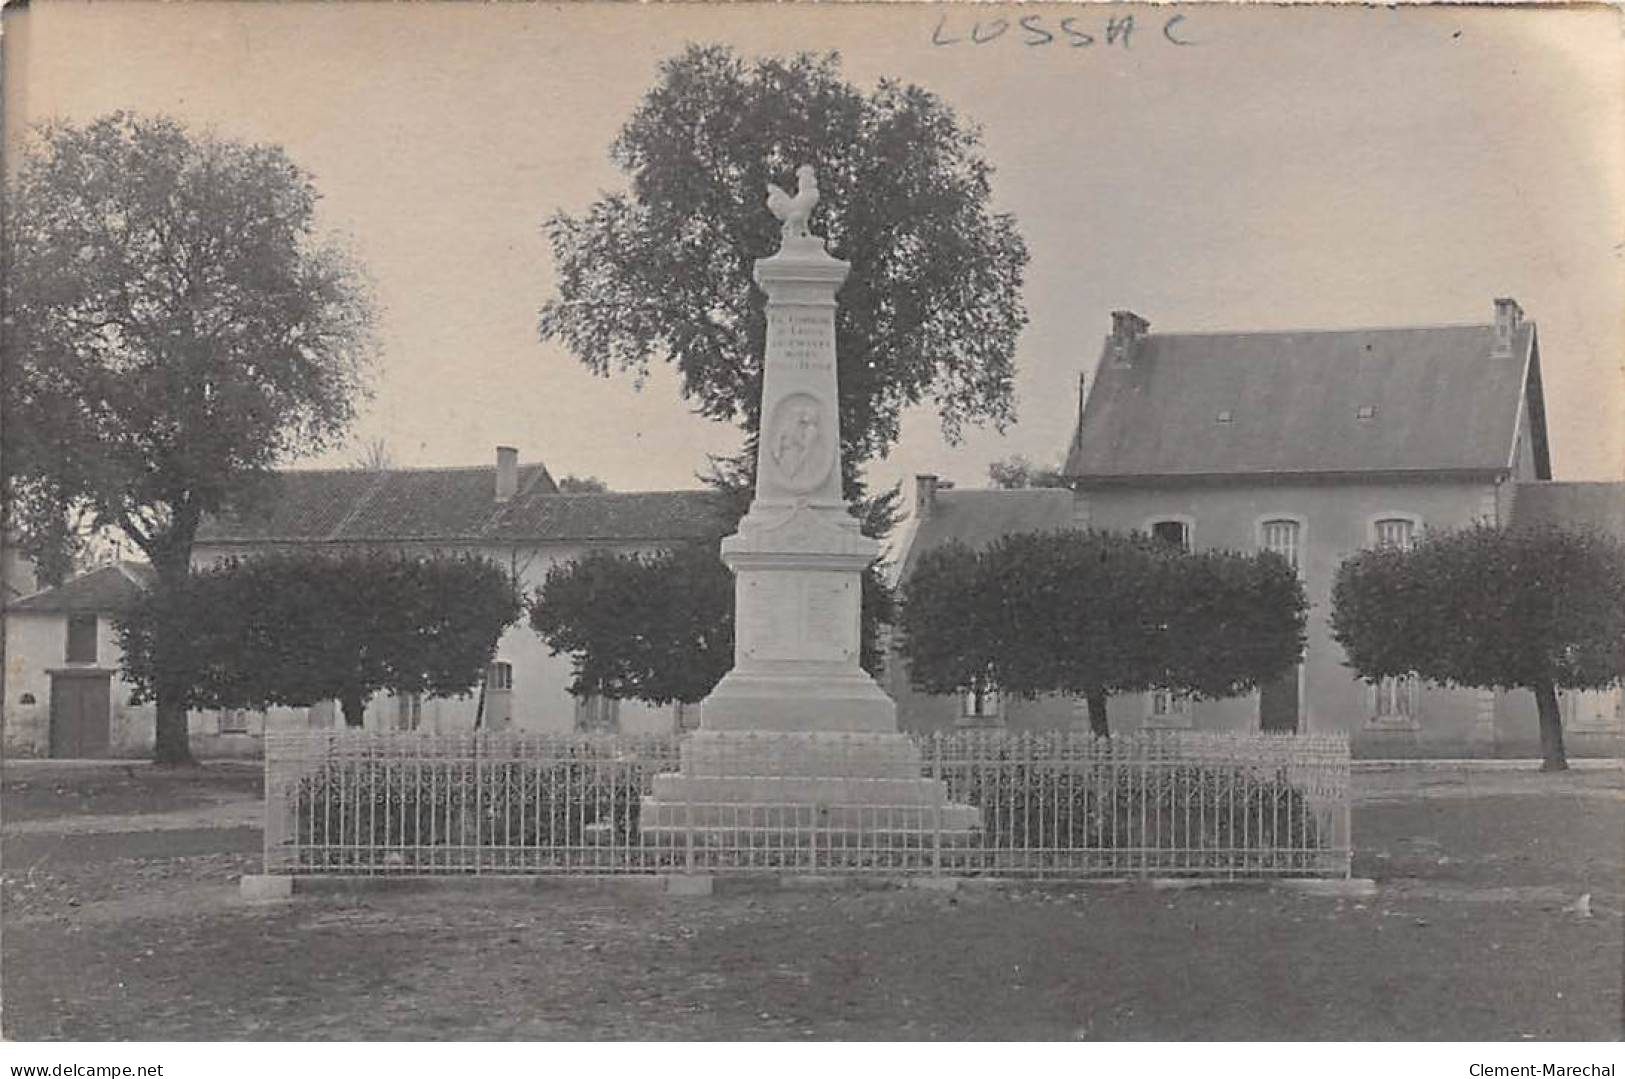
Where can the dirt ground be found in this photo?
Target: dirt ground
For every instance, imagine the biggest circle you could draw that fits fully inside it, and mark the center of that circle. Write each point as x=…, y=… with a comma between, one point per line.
x=122, y=921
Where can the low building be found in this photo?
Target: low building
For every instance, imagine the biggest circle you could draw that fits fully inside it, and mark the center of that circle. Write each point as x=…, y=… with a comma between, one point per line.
x=64, y=695
x=512, y=514
x=1312, y=444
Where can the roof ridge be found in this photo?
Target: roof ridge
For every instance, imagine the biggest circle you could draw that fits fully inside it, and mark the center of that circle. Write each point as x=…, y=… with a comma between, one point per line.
x=1329, y=330
x=603, y=494
x=398, y=471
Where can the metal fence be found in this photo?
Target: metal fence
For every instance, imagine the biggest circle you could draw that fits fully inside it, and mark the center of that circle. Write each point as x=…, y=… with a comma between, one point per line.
x=1061, y=804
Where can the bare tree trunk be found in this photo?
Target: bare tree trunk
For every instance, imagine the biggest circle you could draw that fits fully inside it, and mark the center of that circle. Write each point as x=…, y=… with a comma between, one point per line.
x=1098, y=724
x=355, y=708
x=1553, y=757
x=171, y=742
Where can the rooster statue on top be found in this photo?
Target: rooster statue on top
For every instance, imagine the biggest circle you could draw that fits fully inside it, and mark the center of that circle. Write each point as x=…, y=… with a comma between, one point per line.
x=794, y=210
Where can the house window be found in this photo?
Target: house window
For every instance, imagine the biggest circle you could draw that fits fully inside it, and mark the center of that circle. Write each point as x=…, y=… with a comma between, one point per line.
x=82, y=638
x=1168, y=708
x=1395, y=532
x=1281, y=536
x=499, y=677
x=980, y=703
x=233, y=721
x=598, y=714
x=1395, y=698
x=408, y=711
x=1175, y=533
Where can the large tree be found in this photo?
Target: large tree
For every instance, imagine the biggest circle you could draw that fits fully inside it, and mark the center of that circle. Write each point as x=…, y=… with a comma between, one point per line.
x=174, y=328
x=1092, y=614
x=298, y=627
x=931, y=310
x=1487, y=607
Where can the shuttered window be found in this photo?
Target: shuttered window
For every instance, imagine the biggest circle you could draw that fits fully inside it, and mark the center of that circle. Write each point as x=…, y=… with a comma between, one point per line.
x=1396, y=532
x=1281, y=536
x=82, y=638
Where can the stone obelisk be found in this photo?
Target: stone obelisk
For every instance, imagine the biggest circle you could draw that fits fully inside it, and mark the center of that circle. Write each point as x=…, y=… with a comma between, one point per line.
x=797, y=724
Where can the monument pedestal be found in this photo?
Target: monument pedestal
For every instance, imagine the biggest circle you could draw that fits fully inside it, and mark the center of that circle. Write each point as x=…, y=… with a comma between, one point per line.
x=797, y=736
x=797, y=784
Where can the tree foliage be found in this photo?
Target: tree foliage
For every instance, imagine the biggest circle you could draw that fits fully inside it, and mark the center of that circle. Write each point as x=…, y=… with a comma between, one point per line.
x=931, y=310
x=174, y=329
x=1092, y=614
x=582, y=485
x=657, y=627
x=295, y=628
x=1492, y=608
x=1015, y=472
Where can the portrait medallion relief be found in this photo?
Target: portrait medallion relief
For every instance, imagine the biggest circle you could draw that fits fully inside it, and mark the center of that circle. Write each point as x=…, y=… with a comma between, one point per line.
x=801, y=449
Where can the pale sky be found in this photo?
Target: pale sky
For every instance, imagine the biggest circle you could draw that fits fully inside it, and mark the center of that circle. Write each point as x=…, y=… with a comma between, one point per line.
x=1295, y=168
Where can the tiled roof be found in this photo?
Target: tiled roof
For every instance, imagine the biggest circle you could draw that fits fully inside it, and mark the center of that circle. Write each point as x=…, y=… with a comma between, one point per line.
x=110, y=588
x=455, y=504
x=1348, y=401
x=977, y=518
x=1594, y=505
x=362, y=504
x=633, y=515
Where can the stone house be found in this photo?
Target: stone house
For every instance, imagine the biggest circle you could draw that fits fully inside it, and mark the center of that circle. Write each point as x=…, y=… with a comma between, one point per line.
x=511, y=513
x=1313, y=444
x=64, y=696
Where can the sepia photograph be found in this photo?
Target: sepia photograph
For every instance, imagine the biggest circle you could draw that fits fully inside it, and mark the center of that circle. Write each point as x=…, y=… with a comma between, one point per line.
x=811, y=522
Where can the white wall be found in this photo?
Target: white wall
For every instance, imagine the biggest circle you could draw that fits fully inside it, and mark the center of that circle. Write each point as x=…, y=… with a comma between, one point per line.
x=540, y=700
x=36, y=644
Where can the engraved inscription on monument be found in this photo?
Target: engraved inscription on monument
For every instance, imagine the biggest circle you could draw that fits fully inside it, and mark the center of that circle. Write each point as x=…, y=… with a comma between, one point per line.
x=797, y=617
x=827, y=603
x=768, y=623
x=804, y=339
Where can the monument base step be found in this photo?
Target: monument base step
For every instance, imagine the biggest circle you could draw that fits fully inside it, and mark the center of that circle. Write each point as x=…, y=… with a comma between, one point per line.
x=836, y=700
x=779, y=784
x=799, y=754
x=751, y=825
x=799, y=790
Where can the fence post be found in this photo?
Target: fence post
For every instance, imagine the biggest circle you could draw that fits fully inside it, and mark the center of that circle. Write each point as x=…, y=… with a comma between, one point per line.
x=936, y=840
x=479, y=806
x=265, y=809
x=688, y=839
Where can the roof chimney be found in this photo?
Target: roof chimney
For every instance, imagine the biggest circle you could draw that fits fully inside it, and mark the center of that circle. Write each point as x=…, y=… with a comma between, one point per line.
x=925, y=496
x=507, y=473
x=1128, y=330
x=1508, y=317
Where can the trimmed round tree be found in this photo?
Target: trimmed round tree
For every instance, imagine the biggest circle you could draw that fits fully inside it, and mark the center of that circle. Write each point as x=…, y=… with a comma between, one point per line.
x=296, y=628
x=1488, y=607
x=1092, y=614
x=657, y=627
x=651, y=627
x=946, y=622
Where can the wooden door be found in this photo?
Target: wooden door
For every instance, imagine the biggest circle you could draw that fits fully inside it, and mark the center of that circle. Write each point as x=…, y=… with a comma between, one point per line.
x=1278, y=703
x=81, y=710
